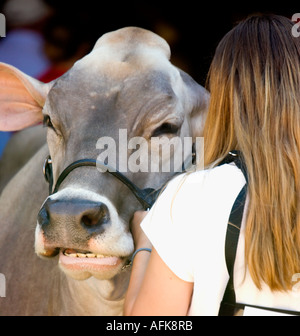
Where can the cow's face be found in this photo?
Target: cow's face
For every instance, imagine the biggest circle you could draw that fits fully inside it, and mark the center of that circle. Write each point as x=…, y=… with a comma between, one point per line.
x=111, y=105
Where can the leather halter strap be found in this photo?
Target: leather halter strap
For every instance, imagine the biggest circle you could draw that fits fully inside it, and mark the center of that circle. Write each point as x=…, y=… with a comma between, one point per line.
x=146, y=196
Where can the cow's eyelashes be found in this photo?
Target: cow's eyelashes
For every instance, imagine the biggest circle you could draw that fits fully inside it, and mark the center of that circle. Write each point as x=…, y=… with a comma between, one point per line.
x=47, y=122
x=164, y=129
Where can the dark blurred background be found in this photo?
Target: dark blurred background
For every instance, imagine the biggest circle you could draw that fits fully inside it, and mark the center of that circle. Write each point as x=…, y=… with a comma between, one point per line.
x=45, y=37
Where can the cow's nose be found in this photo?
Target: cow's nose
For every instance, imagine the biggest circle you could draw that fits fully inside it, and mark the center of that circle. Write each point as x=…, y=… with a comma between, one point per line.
x=74, y=213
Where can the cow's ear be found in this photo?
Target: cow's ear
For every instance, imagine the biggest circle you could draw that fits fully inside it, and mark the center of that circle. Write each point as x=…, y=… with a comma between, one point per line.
x=198, y=101
x=21, y=99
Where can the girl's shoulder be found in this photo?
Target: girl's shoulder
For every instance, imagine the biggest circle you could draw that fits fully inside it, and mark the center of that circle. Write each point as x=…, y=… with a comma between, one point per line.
x=219, y=179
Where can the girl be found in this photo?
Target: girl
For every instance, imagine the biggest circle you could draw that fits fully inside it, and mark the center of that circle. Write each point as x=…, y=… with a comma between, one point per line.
x=254, y=81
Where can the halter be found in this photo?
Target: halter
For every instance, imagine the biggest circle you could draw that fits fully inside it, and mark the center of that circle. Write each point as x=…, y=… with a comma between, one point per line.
x=146, y=196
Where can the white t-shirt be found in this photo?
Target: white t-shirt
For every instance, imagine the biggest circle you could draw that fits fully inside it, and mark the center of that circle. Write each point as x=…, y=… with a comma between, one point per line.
x=187, y=226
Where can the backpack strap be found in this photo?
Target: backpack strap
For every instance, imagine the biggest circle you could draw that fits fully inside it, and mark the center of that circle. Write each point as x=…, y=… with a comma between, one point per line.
x=227, y=307
x=228, y=304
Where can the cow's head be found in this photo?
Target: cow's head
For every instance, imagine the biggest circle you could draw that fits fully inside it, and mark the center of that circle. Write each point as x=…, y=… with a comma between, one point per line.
x=124, y=91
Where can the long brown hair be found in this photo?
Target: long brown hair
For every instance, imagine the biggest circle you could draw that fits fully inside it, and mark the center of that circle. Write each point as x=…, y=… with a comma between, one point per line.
x=254, y=81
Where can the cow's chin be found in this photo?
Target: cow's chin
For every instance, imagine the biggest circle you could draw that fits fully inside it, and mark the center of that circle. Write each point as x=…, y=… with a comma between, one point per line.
x=82, y=265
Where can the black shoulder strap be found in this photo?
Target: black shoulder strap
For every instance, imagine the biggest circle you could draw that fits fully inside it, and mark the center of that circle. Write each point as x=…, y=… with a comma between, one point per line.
x=227, y=307
x=232, y=236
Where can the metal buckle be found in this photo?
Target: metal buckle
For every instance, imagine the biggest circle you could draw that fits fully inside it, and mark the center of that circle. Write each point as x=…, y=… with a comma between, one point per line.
x=233, y=153
x=46, y=164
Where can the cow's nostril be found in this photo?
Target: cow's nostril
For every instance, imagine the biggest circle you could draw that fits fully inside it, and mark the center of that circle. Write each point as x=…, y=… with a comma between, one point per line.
x=94, y=218
x=43, y=217
x=88, y=220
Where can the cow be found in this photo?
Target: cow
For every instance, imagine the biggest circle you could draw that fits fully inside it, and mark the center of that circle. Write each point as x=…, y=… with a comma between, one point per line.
x=19, y=149
x=80, y=225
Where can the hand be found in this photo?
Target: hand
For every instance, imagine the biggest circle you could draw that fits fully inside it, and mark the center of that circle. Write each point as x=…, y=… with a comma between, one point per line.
x=139, y=237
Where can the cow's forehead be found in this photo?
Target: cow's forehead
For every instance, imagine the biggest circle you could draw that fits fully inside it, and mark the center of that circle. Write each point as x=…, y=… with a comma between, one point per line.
x=115, y=80
x=130, y=67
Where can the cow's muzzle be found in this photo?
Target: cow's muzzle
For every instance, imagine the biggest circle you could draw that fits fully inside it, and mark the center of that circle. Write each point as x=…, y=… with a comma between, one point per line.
x=85, y=230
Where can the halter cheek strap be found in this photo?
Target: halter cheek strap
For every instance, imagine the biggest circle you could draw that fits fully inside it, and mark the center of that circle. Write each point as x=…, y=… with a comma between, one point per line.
x=146, y=196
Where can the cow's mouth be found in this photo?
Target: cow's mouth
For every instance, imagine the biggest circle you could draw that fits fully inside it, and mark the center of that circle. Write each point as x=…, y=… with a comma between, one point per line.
x=81, y=265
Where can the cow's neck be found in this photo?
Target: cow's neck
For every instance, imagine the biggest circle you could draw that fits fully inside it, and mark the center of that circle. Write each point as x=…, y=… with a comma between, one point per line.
x=94, y=297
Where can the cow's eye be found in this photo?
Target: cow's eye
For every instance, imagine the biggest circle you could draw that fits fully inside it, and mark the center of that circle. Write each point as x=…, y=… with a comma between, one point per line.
x=165, y=128
x=47, y=122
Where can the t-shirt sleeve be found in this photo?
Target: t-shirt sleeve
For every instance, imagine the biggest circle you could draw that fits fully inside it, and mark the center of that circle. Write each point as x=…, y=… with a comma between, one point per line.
x=188, y=222
x=167, y=234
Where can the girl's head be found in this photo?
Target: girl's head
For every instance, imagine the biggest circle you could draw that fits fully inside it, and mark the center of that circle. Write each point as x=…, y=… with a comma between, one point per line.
x=254, y=85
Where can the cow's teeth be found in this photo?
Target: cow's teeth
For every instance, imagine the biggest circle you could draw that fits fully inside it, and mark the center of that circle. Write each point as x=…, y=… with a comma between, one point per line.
x=74, y=255
x=83, y=255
